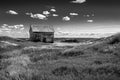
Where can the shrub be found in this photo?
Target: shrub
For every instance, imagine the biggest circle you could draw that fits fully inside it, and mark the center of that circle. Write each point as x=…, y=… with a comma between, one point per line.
x=97, y=62
x=70, y=40
x=114, y=39
x=63, y=70
x=40, y=54
x=72, y=53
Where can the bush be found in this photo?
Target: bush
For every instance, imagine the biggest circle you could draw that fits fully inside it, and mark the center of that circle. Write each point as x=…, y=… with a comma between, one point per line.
x=97, y=62
x=63, y=70
x=37, y=54
x=114, y=39
x=70, y=40
x=72, y=53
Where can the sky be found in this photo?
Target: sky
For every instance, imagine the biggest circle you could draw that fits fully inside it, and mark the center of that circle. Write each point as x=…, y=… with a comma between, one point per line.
x=70, y=18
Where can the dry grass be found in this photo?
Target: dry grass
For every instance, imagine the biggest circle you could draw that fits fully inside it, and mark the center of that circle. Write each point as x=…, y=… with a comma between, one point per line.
x=97, y=61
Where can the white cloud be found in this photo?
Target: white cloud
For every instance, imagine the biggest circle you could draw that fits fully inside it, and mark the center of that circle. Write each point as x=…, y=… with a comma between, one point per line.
x=46, y=12
x=0, y=30
x=6, y=27
x=66, y=18
x=15, y=31
x=58, y=28
x=20, y=26
x=90, y=21
x=73, y=14
x=12, y=12
x=55, y=15
x=53, y=10
x=28, y=13
x=37, y=16
x=50, y=7
x=88, y=15
x=79, y=1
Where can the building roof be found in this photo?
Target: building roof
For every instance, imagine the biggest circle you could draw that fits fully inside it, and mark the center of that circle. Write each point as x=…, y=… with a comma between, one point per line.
x=42, y=28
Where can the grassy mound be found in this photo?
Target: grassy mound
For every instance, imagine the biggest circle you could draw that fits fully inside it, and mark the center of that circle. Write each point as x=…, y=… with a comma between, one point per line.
x=70, y=40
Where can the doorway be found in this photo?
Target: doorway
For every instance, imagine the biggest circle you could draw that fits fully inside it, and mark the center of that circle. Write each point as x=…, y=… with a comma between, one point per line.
x=44, y=39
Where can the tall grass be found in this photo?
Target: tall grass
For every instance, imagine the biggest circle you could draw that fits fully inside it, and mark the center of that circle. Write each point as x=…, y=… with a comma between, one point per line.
x=97, y=61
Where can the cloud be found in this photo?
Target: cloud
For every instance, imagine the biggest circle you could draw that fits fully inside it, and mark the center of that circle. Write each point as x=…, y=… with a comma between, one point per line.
x=29, y=14
x=6, y=27
x=12, y=12
x=55, y=15
x=46, y=13
x=37, y=16
x=50, y=7
x=73, y=14
x=13, y=30
x=20, y=26
x=79, y=1
x=5, y=30
x=86, y=15
x=66, y=18
x=0, y=30
x=90, y=21
x=89, y=15
x=53, y=10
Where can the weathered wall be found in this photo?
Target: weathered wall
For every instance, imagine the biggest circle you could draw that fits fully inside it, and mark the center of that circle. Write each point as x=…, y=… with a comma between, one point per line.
x=48, y=37
x=42, y=36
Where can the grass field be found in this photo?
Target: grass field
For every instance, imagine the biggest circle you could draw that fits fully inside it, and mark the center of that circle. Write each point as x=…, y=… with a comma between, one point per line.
x=25, y=60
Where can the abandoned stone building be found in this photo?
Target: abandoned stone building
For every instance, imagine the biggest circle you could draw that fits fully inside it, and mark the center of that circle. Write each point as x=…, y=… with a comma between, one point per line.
x=41, y=34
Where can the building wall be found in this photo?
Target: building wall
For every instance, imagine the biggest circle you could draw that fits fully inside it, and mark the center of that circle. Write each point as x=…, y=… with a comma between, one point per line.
x=49, y=37
x=42, y=36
